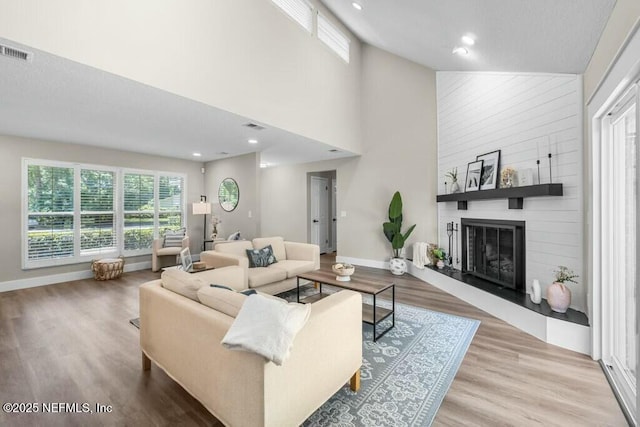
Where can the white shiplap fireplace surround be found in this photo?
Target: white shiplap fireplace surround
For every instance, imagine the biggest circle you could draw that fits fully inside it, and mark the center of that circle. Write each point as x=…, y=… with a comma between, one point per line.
x=526, y=116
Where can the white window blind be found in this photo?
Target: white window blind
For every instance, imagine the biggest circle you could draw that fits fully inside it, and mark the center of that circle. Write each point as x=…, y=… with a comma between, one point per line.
x=97, y=212
x=139, y=211
x=333, y=37
x=50, y=212
x=299, y=10
x=170, y=203
x=74, y=213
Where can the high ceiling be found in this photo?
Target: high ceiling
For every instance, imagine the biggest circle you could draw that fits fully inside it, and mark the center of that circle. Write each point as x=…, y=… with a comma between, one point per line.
x=52, y=98
x=552, y=36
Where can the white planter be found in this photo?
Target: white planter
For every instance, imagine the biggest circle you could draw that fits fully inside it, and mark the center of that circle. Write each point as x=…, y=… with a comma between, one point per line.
x=398, y=266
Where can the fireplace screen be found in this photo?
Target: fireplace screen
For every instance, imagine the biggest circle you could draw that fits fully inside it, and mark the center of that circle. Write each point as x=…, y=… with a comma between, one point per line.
x=494, y=250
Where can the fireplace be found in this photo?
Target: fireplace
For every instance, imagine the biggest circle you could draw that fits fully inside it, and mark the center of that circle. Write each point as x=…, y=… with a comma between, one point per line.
x=494, y=250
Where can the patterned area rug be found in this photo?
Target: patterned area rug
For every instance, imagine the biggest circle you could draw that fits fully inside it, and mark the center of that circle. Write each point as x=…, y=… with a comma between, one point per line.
x=405, y=374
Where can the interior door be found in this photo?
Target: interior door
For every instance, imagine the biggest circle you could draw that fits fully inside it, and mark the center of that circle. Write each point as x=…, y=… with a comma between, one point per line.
x=319, y=212
x=334, y=219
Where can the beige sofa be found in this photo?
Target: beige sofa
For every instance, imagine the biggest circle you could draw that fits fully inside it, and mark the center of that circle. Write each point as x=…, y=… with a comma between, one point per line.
x=292, y=259
x=182, y=336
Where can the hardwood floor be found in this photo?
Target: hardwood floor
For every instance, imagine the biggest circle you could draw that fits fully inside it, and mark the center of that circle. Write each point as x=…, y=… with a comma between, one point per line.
x=72, y=342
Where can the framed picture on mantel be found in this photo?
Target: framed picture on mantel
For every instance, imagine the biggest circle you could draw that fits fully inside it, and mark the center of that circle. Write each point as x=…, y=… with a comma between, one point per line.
x=474, y=172
x=490, y=169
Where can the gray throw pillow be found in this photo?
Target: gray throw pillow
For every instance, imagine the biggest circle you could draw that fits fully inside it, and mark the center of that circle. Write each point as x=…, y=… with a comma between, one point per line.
x=173, y=239
x=261, y=257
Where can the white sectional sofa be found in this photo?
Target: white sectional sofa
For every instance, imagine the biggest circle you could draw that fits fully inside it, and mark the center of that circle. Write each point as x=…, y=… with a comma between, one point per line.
x=182, y=336
x=292, y=259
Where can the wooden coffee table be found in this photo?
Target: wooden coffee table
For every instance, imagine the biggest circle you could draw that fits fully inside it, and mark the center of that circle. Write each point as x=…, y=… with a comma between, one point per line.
x=371, y=313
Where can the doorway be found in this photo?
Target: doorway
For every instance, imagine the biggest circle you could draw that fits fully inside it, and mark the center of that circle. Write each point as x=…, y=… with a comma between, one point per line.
x=322, y=210
x=619, y=176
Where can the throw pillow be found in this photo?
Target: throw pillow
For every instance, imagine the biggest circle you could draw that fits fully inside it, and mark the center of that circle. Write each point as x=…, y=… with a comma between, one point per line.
x=181, y=282
x=261, y=257
x=173, y=239
x=267, y=326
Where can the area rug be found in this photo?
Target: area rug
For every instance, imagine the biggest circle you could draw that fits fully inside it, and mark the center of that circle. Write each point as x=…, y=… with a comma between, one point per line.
x=405, y=374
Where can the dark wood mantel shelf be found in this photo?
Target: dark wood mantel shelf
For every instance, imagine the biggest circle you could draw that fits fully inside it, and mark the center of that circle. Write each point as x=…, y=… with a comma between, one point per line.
x=515, y=195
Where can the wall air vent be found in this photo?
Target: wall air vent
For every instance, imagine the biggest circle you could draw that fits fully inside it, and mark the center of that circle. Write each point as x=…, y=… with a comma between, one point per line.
x=333, y=150
x=12, y=52
x=253, y=126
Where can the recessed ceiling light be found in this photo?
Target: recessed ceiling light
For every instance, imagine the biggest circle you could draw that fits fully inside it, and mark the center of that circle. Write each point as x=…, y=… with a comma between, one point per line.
x=459, y=50
x=197, y=155
x=468, y=40
x=356, y=6
x=252, y=141
x=264, y=165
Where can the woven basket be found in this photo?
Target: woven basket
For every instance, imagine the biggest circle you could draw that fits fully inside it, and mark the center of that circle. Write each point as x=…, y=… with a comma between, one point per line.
x=107, y=268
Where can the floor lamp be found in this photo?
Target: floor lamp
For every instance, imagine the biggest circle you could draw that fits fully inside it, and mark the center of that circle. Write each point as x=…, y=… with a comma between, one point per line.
x=202, y=208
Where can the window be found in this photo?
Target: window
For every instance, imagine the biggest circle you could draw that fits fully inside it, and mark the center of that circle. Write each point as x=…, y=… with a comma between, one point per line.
x=50, y=212
x=74, y=213
x=299, y=10
x=139, y=211
x=333, y=37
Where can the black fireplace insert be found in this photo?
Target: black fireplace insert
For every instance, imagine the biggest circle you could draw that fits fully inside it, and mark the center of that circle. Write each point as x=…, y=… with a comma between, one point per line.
x=494, y=250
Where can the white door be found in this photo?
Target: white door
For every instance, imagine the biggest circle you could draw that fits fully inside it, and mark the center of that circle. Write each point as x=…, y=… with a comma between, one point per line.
x=319, y=212
x=334, y=219
x=619, y=284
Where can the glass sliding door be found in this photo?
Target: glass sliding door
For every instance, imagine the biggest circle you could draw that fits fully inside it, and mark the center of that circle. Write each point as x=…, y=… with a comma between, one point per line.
x=619, y=291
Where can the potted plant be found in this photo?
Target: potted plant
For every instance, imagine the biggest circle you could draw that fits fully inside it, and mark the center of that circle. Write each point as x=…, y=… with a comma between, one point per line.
x=558, y=294
x=436, y=255
x=453, y=174
x=393, y=231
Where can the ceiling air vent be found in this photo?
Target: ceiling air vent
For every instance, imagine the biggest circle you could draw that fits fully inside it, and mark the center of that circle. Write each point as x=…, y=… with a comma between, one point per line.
x=12, y=52
x=254, y=126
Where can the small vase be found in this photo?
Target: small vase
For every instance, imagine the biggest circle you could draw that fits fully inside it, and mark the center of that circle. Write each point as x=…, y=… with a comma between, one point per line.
x=455, y=187
x=440, y=264
x=558, y=297
x=398, y=266
x=536, y=292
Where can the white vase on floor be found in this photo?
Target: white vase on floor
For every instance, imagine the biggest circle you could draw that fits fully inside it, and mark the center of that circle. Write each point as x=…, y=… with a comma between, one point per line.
x=398, y=266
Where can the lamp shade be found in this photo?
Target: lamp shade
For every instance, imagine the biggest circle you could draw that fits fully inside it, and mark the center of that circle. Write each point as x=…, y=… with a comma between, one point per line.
x=201, y=208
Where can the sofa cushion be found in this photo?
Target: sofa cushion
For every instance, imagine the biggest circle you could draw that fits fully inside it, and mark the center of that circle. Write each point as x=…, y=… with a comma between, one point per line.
x=238, y=247
x=294, y=267
x=267, y=326
x=263, y=275
x=232, y=276
x=277, y=243
x=183, y=283
x=261, y=257
x=168, y=251
x=226, y=301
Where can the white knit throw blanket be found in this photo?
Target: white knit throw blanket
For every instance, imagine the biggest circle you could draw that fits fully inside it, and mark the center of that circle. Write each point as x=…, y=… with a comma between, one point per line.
x=420, y=258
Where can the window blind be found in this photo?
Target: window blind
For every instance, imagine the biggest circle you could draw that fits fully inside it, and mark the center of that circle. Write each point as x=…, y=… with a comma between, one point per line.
x=170, y=203
x=299, y=10
x=139, y=210
x=97, y=212
x=50, y=212
x=333, y=37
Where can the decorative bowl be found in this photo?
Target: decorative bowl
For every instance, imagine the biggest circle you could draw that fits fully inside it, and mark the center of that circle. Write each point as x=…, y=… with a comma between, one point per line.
x=343, y=271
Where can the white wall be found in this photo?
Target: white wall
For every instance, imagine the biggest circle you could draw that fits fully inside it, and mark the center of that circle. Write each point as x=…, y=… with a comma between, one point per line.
x=399, y=130
x=525, y=116
x=246, y=216
x=13, y=149
x=243, y=56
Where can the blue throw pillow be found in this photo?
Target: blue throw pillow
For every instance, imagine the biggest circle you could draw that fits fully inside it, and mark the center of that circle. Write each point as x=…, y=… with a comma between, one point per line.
x=261, y=257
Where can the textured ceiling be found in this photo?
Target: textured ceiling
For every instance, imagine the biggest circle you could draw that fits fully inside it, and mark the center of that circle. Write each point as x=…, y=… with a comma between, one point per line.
x=55, y=99
x=552, y=36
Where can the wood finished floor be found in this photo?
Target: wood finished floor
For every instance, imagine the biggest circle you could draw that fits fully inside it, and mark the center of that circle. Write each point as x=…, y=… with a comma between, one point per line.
x=72, y=342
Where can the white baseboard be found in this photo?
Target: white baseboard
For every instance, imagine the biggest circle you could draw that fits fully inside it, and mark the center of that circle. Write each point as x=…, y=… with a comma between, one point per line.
x=52, y=279
x=553, y=331
x=363, y=262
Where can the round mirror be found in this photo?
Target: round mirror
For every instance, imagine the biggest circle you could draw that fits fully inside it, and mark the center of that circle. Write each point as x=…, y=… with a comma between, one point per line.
x=228, y=194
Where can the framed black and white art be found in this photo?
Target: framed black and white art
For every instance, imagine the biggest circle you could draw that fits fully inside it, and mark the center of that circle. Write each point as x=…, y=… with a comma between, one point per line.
x=490, y=169
x=474, y=172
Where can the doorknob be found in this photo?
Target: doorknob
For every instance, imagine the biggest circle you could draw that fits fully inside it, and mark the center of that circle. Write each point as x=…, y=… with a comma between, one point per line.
x=315, y=220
